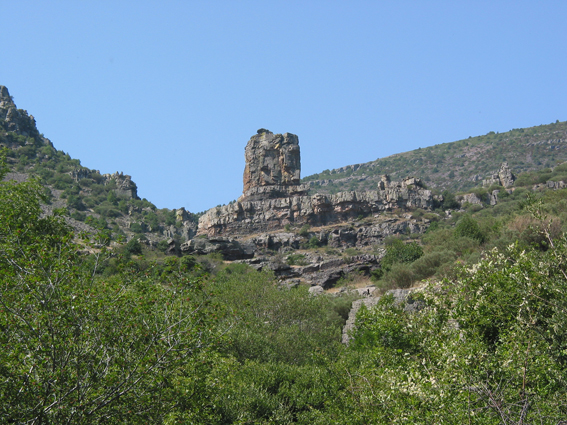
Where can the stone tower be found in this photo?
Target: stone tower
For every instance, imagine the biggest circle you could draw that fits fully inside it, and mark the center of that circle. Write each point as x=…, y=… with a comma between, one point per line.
x=273, y=167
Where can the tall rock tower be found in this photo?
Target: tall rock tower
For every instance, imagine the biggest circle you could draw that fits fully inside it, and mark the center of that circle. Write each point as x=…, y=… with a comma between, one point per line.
x=273, y=167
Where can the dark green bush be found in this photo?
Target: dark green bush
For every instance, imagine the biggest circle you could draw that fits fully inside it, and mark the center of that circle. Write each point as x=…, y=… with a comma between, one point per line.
x=468, y=227
x=134, y=246
x=399, y=252
x=314, y=242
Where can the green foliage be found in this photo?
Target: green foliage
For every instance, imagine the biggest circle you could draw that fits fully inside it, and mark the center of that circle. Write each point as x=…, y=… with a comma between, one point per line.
x=136, y=228
x=162, y=246
x=134, y=246
x=399, y=252
x=304, y=231
x=385, y=328
x=274, y=324
x=449, y=201
x=468, y=227
x=450, y=165
x=486, y=345
x=296, y=260
x=314, y=242
x=82, y=350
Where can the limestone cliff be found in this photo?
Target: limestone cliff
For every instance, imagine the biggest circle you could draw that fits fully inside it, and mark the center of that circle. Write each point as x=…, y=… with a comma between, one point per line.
x=504, y=177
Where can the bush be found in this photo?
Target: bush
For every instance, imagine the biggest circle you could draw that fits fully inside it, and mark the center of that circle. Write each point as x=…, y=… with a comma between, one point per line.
x=314, y=242
x=427, y=265
x=296, y=260
x=134, y=246
x=80, y=216
x=399, y=276
x=449, y=201
x=468, y=227
x=162, y=246
x=399, y=252
x=304, y=231
x=136, y=228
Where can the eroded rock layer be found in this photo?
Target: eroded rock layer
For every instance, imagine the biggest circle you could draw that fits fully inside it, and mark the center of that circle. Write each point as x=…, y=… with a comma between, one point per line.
x=249, y=217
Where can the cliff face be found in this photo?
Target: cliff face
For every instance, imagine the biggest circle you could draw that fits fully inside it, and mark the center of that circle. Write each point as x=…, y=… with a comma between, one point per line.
x=273, y=197
x=243, y=218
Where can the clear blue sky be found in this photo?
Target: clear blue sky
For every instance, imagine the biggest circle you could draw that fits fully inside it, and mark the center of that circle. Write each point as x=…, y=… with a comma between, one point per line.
x=170, y=91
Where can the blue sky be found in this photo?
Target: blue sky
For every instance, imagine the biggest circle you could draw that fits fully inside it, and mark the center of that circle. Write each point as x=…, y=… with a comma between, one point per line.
x=170, y=91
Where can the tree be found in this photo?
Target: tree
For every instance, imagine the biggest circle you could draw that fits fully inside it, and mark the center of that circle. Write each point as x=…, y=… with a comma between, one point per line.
x=74, y=349
x=486, y=347
x=468, y=227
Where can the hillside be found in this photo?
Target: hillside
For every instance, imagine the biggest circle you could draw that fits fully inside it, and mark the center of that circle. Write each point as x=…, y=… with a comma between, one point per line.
x=456, y=166
x=394, y=305
x=91, y=201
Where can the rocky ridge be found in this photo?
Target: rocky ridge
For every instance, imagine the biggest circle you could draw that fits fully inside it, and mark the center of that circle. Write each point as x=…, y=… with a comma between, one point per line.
x=456, y=166
x=273, y=198
x=263, y=225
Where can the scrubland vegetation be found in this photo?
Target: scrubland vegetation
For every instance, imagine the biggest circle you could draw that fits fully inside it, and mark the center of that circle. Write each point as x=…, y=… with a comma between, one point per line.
x=117, y=336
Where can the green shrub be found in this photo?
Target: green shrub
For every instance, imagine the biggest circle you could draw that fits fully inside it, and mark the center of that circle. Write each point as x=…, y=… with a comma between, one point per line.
x=304, y=231
x=399, y=252
x=136, y=228
x=427, y=265
x=134, y=246
x=314, y=242
x=80, y=216
x=296, y=260
x=399, y=275
x=468, y=227
x=449, y=201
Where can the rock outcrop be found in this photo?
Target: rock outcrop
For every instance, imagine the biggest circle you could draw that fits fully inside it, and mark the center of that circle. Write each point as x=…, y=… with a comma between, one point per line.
x=469, y=198
x=124, y=185
x=247, y=217
x=273, y=167
x=504, y=178
x=14, y=120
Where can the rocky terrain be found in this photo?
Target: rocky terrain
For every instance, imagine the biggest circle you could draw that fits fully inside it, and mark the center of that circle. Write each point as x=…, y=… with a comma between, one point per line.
x=94, y=201
x=276, y=216
x=295, y=229
x=273, y=197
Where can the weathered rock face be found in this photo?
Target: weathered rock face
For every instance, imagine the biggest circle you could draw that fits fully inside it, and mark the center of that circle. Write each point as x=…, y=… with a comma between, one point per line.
x=242, y=218
x=229, y=248
x=124, y=184
x=469, y=198
x=17, y=120
x=505, y=177
x=5, y=96
x=273, y=167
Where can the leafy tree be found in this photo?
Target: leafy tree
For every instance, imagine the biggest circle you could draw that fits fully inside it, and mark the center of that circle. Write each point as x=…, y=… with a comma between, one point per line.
x=78, y=350
x=134, y=246
x=468, y=227
x=399, y=252
x=449, y=201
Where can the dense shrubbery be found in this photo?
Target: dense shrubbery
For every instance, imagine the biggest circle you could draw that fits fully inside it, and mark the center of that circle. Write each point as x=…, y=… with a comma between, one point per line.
x=118, y=338
x=77, y=349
